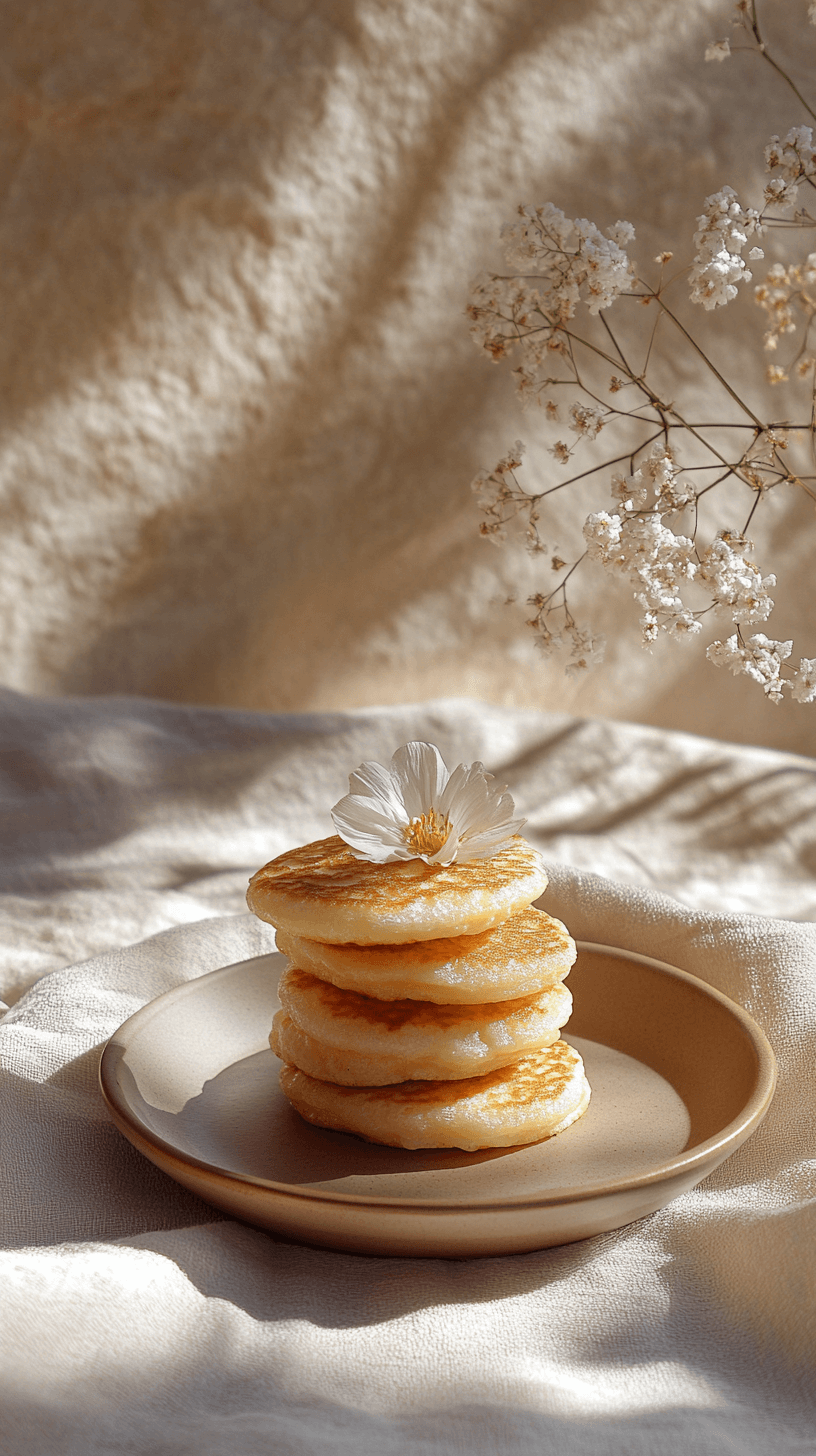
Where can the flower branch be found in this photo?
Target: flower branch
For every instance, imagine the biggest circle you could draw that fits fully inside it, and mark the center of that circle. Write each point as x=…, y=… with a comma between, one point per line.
x=569, y=267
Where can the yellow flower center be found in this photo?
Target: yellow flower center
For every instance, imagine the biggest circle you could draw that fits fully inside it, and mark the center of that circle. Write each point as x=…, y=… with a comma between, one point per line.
x=427, y=833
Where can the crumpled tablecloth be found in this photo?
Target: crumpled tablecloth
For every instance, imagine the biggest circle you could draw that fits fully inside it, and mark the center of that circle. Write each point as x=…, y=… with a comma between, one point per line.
x=136, y=1319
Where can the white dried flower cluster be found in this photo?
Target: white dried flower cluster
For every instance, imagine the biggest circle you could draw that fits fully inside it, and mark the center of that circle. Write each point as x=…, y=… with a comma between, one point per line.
x=783, y=287
x=502, y=310
x=564, y=269
x=774, y=295
x=655, y=561
x=761, y=658
x=793, y=161
x=656, y=481
x=803, y=682
x=562, y=263
x=560, y=451
x=495, y=493
x=573, y=259
x=586, y=649
x=636, y=545
x=587, y=419
x=760, y=466
x=723, y=229
x=718, y=50
x=734, y=582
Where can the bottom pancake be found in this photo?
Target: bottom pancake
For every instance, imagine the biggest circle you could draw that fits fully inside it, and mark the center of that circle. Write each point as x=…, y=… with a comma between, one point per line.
x=533, y=1098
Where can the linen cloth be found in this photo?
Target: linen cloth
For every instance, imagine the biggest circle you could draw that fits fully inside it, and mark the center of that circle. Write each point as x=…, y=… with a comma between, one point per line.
x=138, y=1320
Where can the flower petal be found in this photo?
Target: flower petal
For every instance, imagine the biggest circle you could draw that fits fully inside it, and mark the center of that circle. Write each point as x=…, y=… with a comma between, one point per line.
x=378, y=783
x=480, y=811
x=484, y=846
x=466, y=797
x=369, y=826
x=420, y=772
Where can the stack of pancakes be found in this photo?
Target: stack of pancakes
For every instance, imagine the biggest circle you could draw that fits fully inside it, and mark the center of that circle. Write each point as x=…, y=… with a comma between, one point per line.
x=422, y=1004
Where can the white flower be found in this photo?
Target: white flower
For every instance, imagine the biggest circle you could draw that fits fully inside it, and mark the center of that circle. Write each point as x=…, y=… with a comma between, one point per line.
x=681, y=625
x=659, y=469
x=621, y=233
x=608, y=270
x=560, y=451
x=574, y=260
x=602, y=534
x=500, y=309
x=779, y=193
x=560, y=265
x=650, y=627
x=761, y=658
x=416, y=810
x=735, y=582
x=546, y=640
x=587, y=419
x=723, y=229
x=648, y=554
x=727, y=654
x=794, y=159
x=718, y=50
x=644, y=551
x=803, y=682
x=776, y=294
x=588, y=649
x=512, y=460
x=628, y=490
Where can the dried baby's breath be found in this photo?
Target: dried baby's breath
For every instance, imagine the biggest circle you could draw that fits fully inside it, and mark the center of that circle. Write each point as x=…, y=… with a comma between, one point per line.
x=546, y=314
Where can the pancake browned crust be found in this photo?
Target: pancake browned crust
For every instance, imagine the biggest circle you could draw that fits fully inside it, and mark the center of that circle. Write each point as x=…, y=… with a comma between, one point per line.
x=534, y=1098
x=322, y=892
x=529, y=951
x=340, y=1036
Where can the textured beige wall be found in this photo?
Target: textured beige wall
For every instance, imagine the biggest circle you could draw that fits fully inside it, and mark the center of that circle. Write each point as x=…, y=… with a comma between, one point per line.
x=241, y=408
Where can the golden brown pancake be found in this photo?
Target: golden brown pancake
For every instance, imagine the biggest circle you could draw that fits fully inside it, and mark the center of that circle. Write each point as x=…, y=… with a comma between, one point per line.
x=340, y=1036
x=322, y=892
x=534, y=1098
x=521, y=956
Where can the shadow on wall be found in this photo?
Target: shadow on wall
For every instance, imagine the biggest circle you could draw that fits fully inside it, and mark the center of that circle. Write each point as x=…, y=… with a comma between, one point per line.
x=241, y=430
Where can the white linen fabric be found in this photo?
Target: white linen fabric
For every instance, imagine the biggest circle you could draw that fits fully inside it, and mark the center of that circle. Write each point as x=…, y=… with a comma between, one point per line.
x=137, y=1320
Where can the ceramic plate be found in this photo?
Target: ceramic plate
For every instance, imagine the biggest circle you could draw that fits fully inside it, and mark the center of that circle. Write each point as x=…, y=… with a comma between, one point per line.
x=680, y=1077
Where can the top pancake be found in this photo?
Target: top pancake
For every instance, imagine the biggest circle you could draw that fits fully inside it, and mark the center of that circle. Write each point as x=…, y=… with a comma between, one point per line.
x=322, y=892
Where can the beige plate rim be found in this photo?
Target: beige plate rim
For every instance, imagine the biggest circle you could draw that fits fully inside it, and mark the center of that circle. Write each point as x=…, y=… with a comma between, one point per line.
x=734, y=1132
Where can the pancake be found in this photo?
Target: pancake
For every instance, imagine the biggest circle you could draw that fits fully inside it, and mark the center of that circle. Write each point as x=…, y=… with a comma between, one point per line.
x=340, y=1036
x=534, y=1098
x=322, y=892
x=517, y=958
